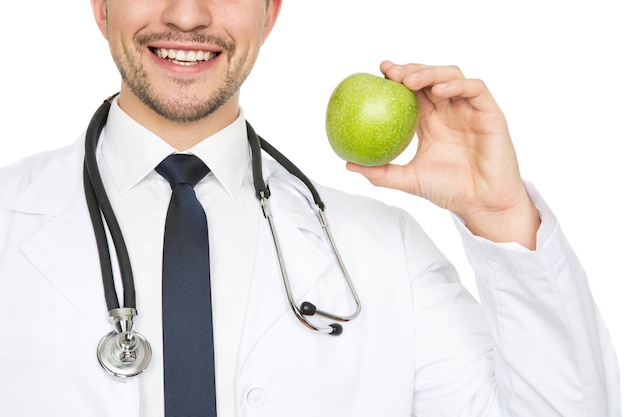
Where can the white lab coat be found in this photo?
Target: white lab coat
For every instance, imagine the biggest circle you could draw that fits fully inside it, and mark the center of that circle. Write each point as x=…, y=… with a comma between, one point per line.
x=422, y=346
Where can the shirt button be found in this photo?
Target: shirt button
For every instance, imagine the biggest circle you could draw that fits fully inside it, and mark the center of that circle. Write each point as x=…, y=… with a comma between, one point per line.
x=256, y=397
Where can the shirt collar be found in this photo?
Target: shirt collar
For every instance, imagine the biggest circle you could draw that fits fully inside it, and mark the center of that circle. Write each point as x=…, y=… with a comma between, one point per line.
x=132, y=151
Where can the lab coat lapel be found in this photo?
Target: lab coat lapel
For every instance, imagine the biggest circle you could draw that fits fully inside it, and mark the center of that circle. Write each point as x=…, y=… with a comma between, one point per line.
x=306, y=259
x=63, y=248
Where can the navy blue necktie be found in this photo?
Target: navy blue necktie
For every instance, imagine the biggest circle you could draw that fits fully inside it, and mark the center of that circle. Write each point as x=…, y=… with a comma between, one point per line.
x=189, y=367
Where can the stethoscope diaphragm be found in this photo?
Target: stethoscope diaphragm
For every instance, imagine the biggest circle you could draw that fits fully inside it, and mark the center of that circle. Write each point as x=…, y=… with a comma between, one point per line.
x=125, y=354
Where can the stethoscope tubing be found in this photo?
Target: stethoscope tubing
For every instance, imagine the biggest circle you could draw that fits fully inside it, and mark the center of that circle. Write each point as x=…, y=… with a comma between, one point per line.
x=99, y=206
x=263, y=193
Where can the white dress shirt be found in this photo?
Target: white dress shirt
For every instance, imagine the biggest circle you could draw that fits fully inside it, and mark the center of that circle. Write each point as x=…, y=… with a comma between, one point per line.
x=127, y=156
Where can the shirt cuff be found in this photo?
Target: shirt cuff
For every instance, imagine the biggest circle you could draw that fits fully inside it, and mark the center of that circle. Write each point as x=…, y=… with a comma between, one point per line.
x=548, y=240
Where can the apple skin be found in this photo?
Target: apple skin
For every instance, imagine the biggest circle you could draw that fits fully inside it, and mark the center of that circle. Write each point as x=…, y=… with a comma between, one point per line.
x=370, y=120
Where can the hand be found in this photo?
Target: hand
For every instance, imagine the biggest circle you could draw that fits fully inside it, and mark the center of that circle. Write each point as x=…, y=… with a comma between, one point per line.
x=465, y=161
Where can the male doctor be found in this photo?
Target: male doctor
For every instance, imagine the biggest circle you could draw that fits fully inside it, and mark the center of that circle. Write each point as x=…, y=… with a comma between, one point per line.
x=422, y=346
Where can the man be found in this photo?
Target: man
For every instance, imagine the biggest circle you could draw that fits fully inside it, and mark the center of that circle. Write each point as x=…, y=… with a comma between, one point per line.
x=421, y=346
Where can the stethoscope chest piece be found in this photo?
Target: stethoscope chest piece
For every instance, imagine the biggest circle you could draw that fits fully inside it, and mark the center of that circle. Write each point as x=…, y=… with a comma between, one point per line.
x=124, y=353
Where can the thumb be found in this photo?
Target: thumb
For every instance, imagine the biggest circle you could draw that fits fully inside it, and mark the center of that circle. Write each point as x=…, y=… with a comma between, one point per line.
x=389, y=176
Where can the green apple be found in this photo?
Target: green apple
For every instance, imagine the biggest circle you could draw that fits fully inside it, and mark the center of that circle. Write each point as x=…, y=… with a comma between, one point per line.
x=370, y=120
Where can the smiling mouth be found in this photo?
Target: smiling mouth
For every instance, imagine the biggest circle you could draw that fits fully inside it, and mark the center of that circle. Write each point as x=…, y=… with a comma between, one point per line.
x=182, y=57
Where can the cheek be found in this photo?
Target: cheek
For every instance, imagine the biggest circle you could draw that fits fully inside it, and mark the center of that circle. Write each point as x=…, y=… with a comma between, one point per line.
x=254, y=35
x=126, y=18
x=244, y=20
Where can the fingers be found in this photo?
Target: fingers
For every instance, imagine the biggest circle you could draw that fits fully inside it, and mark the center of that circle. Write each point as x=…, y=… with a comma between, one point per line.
x=439, y=84
x=474, y=91
x=419, y=76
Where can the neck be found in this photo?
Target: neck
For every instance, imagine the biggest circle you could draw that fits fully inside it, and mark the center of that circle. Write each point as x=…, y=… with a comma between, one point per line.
x=180, y=135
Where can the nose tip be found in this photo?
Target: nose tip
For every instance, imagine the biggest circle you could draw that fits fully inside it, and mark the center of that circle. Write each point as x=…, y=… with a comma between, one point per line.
x=187, y=15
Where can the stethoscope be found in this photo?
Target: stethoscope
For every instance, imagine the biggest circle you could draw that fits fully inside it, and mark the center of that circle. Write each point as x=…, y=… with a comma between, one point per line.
x=125, y=353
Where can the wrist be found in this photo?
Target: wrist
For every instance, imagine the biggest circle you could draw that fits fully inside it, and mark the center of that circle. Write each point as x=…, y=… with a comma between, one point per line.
x=518, y=224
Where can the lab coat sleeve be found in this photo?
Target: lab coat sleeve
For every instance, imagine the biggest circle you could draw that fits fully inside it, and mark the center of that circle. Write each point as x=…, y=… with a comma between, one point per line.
x=551, y=350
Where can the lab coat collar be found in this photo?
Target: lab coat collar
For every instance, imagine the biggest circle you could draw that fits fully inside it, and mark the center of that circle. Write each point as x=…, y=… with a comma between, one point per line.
x=132, y=151
x=62, y=245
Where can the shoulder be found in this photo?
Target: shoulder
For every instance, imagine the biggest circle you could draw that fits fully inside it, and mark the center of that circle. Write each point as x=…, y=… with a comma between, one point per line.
x=18, y=175
x=361, y=221
x=345, y=210
x=364, y=212
x=43, y=173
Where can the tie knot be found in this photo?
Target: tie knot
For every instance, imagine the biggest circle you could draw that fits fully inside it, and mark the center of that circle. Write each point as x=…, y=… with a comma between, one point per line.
x=181, y=168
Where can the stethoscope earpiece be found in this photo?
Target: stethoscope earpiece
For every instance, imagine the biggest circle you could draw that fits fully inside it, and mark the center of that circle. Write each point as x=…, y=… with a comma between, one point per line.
x=308, y=309
x=337, y=329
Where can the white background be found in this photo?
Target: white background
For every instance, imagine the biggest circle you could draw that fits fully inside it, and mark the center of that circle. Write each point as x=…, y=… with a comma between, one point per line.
x=556, y=68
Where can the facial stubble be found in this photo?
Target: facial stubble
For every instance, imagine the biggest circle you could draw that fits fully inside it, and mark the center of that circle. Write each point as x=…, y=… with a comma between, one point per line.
x=183, y=106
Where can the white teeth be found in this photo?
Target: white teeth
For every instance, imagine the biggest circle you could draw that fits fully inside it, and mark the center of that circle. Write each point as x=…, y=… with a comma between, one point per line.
x=181, y=56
